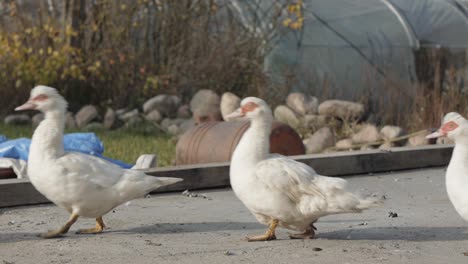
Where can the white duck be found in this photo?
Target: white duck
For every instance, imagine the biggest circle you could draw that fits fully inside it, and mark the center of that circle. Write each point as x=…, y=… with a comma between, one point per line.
x=82, y=184
x=280, y=191
x=455, y=127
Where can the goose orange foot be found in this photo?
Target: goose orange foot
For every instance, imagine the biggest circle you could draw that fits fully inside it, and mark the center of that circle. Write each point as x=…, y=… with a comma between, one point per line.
x=269, y=235
x=96, y=230
x=61, y=231
x=308, y=234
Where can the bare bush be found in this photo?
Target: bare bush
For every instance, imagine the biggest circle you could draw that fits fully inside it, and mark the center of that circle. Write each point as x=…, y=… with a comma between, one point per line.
x=121, y=52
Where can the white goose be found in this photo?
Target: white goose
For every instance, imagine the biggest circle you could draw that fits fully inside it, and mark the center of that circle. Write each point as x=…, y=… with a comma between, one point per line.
x=82, y=184
x=280, y=191
x=455, y=127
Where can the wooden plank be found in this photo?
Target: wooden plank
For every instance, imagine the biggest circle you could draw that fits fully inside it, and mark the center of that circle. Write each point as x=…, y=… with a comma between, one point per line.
x=372, y=161
x=15, y=192
x=195, y=176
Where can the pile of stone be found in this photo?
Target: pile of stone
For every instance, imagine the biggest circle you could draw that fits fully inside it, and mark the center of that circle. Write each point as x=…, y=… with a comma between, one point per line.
x=333, y=125
x=330, y=125
x=164, y=111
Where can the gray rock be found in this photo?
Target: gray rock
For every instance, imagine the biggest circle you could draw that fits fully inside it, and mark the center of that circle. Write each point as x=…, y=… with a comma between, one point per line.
x=344, y=144
x=229, y=103
x=167, y=122
x=367, y=147
x=166, y=104
x=387, y=146
x=284, y=114
x=129, y=115
x=109, y=118
x=17, y=119
x=367, y=134
x=121, y=111
x=184, y=111
x=93, y=126
x=186, y=125
x=320, y=140
x=205, y=106
x=419, y=140
x=70, y=122
x=173, y=129
x=302, y=104
x=37, y=118
x=344, y=110
x=444, y=141
x=391, y=132
x=133, y=120
x=86, y=114
x=315, y=122
x=154, y=116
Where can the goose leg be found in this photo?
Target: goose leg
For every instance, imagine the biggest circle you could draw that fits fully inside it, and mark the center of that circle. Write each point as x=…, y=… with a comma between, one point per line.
x=269, y=235
x=98, y=229
x=308, y=234
x=64, y=229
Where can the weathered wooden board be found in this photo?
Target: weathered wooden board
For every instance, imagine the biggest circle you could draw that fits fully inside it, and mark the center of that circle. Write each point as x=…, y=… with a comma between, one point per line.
x=360, y=162
x=15, y=192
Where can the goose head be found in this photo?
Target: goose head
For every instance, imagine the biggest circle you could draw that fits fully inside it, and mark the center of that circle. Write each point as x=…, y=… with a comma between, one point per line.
x=44, y=99
x=453, y=126
x=252, y=108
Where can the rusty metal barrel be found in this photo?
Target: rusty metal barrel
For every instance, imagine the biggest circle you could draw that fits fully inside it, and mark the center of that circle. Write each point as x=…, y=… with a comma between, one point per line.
x=7, y=173
x=215, y=141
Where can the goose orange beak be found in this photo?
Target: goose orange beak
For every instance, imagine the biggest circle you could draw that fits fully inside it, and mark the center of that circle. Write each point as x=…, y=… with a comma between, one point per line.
x=436, y=134
x=26, y=106
x=236, y=114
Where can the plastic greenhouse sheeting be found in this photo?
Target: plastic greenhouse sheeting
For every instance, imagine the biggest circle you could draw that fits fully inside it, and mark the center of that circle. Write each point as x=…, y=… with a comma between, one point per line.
x=87, y=143
x=359, y=44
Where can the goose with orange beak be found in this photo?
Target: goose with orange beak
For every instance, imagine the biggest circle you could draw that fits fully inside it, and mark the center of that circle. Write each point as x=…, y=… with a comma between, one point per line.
x=455, y=127
x=84, y=185
x=279, y=191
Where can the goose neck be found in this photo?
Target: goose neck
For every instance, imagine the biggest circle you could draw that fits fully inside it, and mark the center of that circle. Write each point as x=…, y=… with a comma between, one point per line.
x=47, y=141
x=255, y=143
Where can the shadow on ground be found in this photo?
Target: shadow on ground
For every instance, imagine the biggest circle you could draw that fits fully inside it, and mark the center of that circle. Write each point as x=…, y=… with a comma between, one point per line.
x=380, y=233
x=166, y=228
x=399, y=233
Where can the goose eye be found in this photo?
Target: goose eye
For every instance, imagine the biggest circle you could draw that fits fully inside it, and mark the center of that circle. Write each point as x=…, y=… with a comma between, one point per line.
x=249, y=107
x=40, y=97
x=450, y=126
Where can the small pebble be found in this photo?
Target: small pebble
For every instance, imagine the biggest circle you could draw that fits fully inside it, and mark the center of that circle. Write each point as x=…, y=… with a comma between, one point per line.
x=11, y=222
x=151, y=243
x=392, y=214
x=316, y=249
x=191, y=194
x=228, y=253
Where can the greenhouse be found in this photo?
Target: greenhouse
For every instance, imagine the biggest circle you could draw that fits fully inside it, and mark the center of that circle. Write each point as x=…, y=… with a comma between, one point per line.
x=347, y=47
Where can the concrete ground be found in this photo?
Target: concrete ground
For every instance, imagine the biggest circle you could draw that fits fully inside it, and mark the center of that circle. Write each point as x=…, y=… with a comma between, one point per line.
x=173, y=228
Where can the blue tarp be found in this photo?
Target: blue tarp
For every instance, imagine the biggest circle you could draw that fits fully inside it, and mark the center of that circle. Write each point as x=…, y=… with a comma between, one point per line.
x=87, y=143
